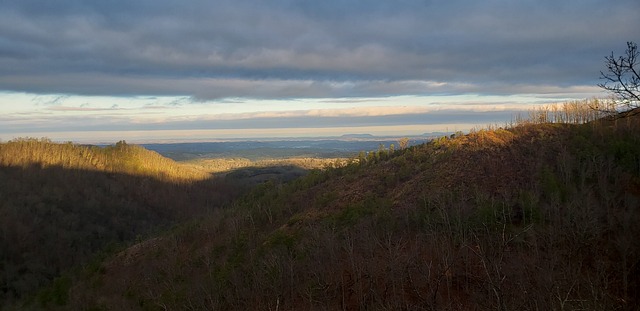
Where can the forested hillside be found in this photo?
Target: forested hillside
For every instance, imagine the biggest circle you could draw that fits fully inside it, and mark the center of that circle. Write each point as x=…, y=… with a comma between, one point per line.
x=62, y=203
x=119, y=158
x=539, y=216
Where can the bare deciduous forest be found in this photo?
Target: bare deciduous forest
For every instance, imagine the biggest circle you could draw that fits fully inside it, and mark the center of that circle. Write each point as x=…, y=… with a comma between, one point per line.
x=61, y=204
x=538, y=215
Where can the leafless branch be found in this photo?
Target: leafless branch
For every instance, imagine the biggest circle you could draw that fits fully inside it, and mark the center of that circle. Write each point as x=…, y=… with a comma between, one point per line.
x=622, y=80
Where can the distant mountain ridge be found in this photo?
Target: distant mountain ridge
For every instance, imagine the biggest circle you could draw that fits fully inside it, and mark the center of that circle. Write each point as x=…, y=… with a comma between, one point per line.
x=357, y=136
x=256, y=150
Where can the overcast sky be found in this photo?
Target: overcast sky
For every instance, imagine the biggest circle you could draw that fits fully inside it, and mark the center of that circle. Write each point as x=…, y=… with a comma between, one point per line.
x=119, y=68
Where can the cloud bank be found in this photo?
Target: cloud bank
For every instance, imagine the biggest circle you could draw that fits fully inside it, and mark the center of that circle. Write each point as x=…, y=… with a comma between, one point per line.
x=212, y=50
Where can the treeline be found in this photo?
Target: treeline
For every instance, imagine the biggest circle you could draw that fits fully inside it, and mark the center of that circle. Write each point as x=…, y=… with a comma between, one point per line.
x=119, y=158
x=569, y=112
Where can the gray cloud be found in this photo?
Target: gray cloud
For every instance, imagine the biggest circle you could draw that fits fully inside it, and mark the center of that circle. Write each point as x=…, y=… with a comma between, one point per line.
x=290, y=49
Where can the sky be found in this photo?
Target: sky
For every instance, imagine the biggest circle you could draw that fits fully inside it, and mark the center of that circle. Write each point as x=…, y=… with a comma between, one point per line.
x=100, y=71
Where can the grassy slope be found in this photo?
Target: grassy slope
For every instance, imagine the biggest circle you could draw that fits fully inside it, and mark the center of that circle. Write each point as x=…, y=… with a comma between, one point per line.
x=536, y=217
x=62, y=203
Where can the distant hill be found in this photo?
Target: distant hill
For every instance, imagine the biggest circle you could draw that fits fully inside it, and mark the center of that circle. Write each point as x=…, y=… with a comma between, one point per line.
x=273, y=149
x=436, y=134
x=348, y=136
x=539, y=216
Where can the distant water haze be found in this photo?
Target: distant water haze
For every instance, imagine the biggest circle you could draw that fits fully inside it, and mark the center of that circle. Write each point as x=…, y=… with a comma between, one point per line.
x=169, y=136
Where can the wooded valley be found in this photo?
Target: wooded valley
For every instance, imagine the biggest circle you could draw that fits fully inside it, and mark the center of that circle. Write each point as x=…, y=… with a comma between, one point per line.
x=539, y=215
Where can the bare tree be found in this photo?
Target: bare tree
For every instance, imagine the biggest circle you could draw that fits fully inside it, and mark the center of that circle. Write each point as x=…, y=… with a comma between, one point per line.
x=622, y=79
x=403, y=143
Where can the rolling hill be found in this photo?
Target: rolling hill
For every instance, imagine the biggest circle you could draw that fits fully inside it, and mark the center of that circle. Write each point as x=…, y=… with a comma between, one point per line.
x=538, y=216
x=61, y=204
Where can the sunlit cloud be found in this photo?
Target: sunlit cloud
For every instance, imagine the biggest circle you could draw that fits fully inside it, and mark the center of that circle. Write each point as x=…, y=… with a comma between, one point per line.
x=369, y=111
x=66, y=108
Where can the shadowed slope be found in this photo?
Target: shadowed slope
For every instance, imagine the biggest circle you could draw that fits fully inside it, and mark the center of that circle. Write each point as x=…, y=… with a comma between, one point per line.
x=62, y=203
x=534, y=217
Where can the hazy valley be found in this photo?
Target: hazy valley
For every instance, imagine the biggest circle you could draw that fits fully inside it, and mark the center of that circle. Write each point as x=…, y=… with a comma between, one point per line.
x=540, y=215
x=319, y=155
x=268, y=149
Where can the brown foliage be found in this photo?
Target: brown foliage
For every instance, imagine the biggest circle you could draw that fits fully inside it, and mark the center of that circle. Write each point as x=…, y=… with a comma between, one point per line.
x=539, y=216
x=62, y=203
